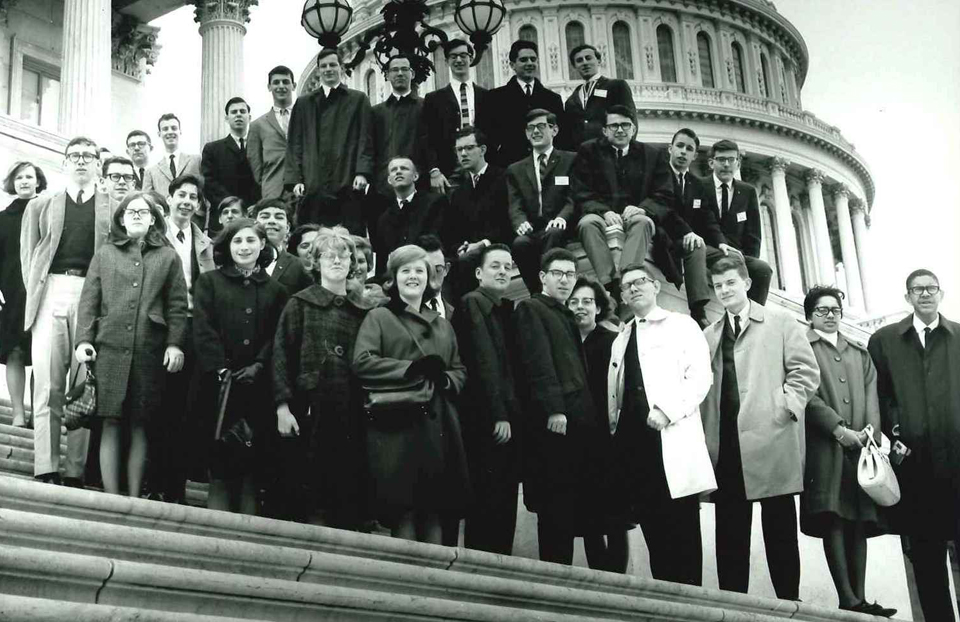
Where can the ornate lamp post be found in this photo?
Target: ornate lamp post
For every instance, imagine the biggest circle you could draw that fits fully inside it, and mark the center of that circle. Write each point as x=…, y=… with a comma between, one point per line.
x=404, y=30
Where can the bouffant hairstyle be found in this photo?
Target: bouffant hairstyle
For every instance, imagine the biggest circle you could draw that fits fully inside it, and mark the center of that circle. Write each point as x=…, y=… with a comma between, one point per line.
x=400, y=257
x=15, y=170
x=156, y=235
x=816, y=293
x=336, y=238
x=604, y=304
x=221, y=244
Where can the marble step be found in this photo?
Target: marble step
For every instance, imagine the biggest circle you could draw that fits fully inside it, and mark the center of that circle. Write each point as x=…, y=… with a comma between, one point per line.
x=24, y=609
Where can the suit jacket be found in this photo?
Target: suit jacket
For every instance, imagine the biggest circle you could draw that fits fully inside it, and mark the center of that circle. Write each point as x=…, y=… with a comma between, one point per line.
x=696, y=209
x=226, y=172
x=587, y=124
x=290, y=273
x=202, y=260
x=524, y=195
x=504, y=120
x=266, y=153
x=40, y=232
x=477, y=213
x=741, y=224
x=440, y=121
x=396, y=227
x=157, y=177
x=777, y=374
x=396, y=129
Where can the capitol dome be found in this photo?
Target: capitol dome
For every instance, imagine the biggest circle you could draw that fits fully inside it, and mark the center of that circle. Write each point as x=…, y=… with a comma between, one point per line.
x=725, y=68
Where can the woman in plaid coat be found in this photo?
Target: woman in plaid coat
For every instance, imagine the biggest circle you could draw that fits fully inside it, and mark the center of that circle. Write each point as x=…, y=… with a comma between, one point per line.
x=132, y=320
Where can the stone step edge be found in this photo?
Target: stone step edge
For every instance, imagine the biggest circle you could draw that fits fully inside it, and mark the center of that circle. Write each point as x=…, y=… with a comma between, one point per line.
x=25, y=609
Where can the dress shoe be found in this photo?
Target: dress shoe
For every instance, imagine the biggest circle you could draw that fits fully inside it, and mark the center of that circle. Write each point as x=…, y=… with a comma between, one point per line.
x=873, y=609
x=48, y=478
x=72, y=482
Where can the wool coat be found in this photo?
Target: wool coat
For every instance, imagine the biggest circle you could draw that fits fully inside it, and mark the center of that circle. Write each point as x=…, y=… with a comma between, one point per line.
x=777, y=374
x=847, y=394
x=504, y=120
x=290, y=273
x=417, y=462
x=132, y=307
x=12, y=334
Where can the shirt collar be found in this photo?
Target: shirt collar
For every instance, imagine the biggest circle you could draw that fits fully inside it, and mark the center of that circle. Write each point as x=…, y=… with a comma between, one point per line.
x=174, y=227
x=407, y=199
x=831, y=337
x=455, y=84
x=676, y=172
x=548, y=153
x=277, y=109
x=175, y=154
x=236, y=138
x=481, y=171
x=88, y=191
x=918, y=324
x=717, y=183
x=398, y=97
x=656, y=314
x=328, y=89
x=625, y=150
x=523, y=85
x=744, y=315
x=595, y=77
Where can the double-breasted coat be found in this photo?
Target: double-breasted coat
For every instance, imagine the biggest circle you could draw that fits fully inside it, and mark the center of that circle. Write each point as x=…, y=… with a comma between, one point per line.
x=777, y=374
x=419, y=463
x=847, y=394
x=132, y=307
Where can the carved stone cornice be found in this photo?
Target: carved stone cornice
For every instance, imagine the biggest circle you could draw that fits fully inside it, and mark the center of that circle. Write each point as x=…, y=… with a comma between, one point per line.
x=133, y=46
x=856, y=204
x=840, y=191
x=777, y=164
x=234, y=10
x=814, y=176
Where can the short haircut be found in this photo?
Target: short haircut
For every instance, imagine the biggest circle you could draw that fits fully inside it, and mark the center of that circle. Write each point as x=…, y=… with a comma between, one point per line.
x=520, y=45
x=471, y=130
x=430, y=242
x=582, y=47
x=452, y=44
x=536, y=113
x=623, y=111
x=556, y=254
x=297, y=236
x=138, y=133
x=816, y=293
x=186, y=178
x=221, y=244
x=686, y=131
x=81, y=140
x=325, y=52
x=167, y=116
x=121, y=160
x=277, y=202
x=333, y=238
x=15, y=170
x=235, y=100
x=600, y=296
x=918, y=273
x=279, y=70
x=730, y=262
x=635, y=267
x=724, y=145
x=486, y=250
x=227, y=202
x=395, y=57
x=155, y=235
x=403, y=157
x=400, y=257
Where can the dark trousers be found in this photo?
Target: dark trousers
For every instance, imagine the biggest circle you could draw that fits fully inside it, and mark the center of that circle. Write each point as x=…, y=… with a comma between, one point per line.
x=492, y=522
x=760, y=275
x=930, y=567
x=671, y=529
x=734, y=519
x=527, y=250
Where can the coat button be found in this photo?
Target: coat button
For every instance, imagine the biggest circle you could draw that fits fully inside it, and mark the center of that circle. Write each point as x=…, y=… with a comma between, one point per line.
x=246, y=342
x=135, y=284
x=338, y=301
x=129, y=326
x=246, y=281
x=136, y=263
x=836, y=358
x=846, y=400
x=338, y=350
x=249, y=310
x=843, y=379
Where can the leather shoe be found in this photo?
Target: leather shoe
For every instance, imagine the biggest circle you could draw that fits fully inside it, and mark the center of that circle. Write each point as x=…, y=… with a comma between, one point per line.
x=48, y=478
x=72, y=482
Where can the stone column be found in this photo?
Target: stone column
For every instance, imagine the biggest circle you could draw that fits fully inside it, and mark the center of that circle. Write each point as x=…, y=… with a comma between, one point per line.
x=221, y=76
x=851, y=264
x=861, y=220
x=786, y=234
x=85, y=79
x=814, y=180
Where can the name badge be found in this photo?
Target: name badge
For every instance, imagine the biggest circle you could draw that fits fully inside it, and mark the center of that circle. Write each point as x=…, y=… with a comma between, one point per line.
x=561, y=180
x=741, y=217
x=696, y=204
x=600, y=92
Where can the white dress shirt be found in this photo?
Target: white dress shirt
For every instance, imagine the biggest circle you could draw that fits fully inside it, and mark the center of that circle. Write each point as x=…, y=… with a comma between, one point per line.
x=744, y=316
x=184, y=249
x=718, y=188
x=88, y=191
x=408, y=198
x=918, y=326
x=327, y=89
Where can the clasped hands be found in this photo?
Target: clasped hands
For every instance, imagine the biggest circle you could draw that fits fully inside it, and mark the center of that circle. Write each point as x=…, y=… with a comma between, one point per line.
x=432, y=367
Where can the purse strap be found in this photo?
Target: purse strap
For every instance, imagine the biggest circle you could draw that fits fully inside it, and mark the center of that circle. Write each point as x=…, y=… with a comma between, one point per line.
x=224, y=396
x=409, y=332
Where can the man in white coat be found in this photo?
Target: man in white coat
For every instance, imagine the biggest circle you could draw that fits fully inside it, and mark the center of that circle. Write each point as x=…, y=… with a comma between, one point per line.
x=659, y=373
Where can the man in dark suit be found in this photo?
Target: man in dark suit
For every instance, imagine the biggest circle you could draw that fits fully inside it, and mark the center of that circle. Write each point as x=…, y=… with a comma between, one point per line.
x=919, y=389
x=396, y=122
x=267, y=147
x=619, y=182
x=224, y=166
x=478, y=210
x=587, y=106
x=445, y=111
x=505, y=115
x=286, y=269
x=738, y=215
x=407, y=214
x=139, y=147
x=540, y=197
x=560, y=414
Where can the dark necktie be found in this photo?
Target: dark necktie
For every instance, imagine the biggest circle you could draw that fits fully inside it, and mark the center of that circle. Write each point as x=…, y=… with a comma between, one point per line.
x=181, y=236
x=404, y=203
x=926, y=337
x=680, y=184
x=433, y=305
x=542, y=162
x=724, y=200
x=173, y=167
x=736, y=326
x=528, y=89
x=243, y=145
x=80, y=200
x=464, y=106
x=476, y=180
x=140, y=181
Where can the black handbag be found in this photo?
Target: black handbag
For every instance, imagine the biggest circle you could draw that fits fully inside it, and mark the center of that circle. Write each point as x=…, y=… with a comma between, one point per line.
x=233, y=448
x=81, y=402
x=386, y=399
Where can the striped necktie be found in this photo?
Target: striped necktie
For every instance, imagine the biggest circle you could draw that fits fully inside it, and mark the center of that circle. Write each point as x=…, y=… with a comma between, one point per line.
x=464, y=106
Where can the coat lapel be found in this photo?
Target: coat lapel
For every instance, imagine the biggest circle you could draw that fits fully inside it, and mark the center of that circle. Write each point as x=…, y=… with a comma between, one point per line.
x=272, y=122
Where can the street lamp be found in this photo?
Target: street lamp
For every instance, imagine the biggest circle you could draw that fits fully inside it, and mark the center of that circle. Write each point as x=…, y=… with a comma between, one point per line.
x=480, y=19
x=326, y=20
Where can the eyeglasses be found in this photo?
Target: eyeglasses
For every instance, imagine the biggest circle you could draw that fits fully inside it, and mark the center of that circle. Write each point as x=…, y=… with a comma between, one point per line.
x=137, y=213
x=825, y=311
x=560, y=274
x=465, y=148
x=86, y=156
x=460, y=56
x=441, y=268
x=636, y=283
x=919, y=290
x=400, y=70
x=725, y=160
x=538, y=127
x=140, y=144
x=331, y=255
x=115, y=177
x=616, y=127
x=576, y=302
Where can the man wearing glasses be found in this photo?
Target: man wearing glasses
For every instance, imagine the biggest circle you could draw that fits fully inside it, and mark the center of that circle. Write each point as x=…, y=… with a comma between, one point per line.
x=560, y=417
x=918, y=360
x=396, y=122
x=59, y=236
x=139, y=147
x=621, y=183
x=118, y=179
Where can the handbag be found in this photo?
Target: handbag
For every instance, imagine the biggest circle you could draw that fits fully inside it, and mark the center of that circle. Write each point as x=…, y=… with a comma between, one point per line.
x=233, y=448
x=875, y=473
x=81, y=402
x=405, y=393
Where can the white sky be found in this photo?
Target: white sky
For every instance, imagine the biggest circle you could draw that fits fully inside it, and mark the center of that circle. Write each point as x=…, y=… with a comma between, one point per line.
x=886, y=72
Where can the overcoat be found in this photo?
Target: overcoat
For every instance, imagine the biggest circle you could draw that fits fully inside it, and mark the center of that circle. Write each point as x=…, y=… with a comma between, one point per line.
x=847, y=394
x=777, y=374
x=504, y=120
x=132, y=306
x=418, y=463
x=11, y=283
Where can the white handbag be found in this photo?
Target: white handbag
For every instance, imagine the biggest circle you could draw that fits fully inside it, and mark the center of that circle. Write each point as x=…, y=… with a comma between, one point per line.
x=875, y=473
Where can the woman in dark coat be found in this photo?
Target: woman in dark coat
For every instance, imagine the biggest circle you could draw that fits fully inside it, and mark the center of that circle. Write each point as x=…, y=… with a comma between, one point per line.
x=605, y=531
x=25, y=181
x=132, y=320
x=833, y=506
x=417, y=463
x=235, y=313
x=317, y=398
